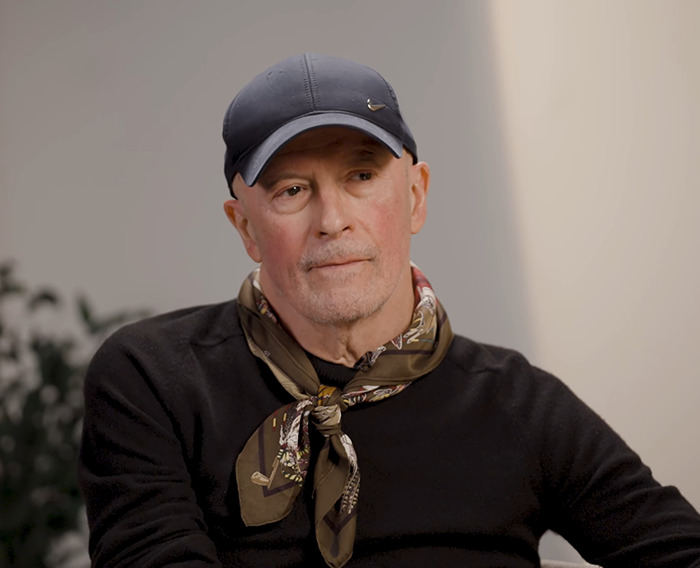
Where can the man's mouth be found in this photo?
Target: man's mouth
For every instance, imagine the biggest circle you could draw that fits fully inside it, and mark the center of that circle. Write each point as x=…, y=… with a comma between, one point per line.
x=337, y=257
x=338, y=263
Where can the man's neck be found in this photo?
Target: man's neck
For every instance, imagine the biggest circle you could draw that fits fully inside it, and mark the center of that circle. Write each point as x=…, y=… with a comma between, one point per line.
x=347, y=342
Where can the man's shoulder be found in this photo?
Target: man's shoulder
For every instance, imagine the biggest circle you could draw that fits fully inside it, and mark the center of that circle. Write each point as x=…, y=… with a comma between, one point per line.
x=478, y=357
x=506, y=374
x=506, y=379
x=208, y=324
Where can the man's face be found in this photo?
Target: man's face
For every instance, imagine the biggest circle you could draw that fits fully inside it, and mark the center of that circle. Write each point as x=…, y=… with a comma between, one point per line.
x=330, y=219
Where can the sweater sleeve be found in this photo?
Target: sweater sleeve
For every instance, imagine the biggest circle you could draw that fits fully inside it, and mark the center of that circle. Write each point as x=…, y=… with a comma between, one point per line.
x=597, y=492
x=142, y=508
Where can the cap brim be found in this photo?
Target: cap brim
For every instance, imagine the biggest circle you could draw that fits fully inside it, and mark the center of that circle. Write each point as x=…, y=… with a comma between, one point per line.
x=253, y=165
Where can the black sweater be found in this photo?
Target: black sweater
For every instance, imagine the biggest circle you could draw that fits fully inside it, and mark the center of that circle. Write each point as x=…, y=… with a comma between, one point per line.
x=467, y=467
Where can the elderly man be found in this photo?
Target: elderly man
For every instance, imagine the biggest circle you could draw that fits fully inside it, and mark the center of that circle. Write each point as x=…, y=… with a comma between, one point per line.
x=328, y=416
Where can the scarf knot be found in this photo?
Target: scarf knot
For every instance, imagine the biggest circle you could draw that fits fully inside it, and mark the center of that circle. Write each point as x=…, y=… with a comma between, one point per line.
x=330, y=396
x=327, y=419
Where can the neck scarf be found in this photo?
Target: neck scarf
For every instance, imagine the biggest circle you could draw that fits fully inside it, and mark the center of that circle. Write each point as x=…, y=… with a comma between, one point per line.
x=273, y=465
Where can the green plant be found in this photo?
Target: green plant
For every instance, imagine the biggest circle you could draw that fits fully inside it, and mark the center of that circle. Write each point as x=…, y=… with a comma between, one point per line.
x=44, y=352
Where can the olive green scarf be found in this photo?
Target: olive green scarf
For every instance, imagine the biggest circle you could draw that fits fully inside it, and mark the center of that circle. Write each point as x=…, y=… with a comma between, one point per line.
x=273, y=465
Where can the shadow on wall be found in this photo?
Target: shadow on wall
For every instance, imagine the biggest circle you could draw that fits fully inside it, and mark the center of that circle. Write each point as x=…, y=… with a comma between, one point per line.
x=470, y=245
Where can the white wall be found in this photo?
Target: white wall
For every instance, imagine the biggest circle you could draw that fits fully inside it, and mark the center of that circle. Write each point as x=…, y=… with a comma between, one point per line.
x=600, y=106
x=602, y=121
x=563, y=139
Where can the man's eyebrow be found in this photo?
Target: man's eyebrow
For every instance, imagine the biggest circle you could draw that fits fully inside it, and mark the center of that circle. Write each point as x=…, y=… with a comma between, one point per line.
x=367, y=148
x=371, y=142
x=365, y=144
x=269, y=179
x=366, y=157
x=372, y=151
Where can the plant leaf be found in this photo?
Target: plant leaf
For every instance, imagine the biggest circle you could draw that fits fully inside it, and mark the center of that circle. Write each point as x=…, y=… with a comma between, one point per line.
x=8, y=285
x=43, y=296
x=85, y=312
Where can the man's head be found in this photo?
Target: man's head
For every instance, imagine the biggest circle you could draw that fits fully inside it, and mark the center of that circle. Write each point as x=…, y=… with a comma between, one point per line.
x=302, y=93
x=330, y=212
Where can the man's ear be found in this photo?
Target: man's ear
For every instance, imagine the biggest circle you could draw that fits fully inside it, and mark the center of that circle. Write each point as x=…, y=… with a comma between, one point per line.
x=420, y=182
x=236, y=213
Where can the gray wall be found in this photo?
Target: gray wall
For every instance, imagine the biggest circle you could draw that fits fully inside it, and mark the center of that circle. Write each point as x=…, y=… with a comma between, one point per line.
x=563, y=139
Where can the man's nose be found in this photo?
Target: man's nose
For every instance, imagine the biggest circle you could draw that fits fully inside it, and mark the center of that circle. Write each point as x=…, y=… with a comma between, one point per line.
x=334, y=210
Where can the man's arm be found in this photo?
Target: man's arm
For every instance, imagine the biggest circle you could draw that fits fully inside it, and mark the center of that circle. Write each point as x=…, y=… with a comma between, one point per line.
x=599, y=494
x=141, y=505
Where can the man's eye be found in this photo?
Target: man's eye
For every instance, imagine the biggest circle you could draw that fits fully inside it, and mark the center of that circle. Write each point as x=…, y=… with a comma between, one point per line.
x=364, y=176
x=292, y=191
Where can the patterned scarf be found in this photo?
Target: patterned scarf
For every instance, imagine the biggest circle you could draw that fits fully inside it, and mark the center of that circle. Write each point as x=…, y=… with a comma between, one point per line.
x=273, y=465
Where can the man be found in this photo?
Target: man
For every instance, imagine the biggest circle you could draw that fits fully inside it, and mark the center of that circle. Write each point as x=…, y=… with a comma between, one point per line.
x=328, y=416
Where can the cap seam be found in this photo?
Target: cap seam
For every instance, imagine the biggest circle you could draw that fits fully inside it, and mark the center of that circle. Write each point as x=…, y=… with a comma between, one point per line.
x=309, y=82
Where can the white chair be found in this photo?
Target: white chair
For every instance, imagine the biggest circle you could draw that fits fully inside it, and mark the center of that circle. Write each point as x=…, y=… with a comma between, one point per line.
x=560, y=564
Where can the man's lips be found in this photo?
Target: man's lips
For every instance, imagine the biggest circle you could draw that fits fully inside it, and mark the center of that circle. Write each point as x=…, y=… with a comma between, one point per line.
x=338, y=263
x=337, y=256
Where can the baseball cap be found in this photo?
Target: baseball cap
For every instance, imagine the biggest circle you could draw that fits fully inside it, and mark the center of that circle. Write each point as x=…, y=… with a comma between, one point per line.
x=301, y=93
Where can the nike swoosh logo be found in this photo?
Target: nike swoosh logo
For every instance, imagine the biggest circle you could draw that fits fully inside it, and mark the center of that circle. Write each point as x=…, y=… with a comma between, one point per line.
x=374, y=107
